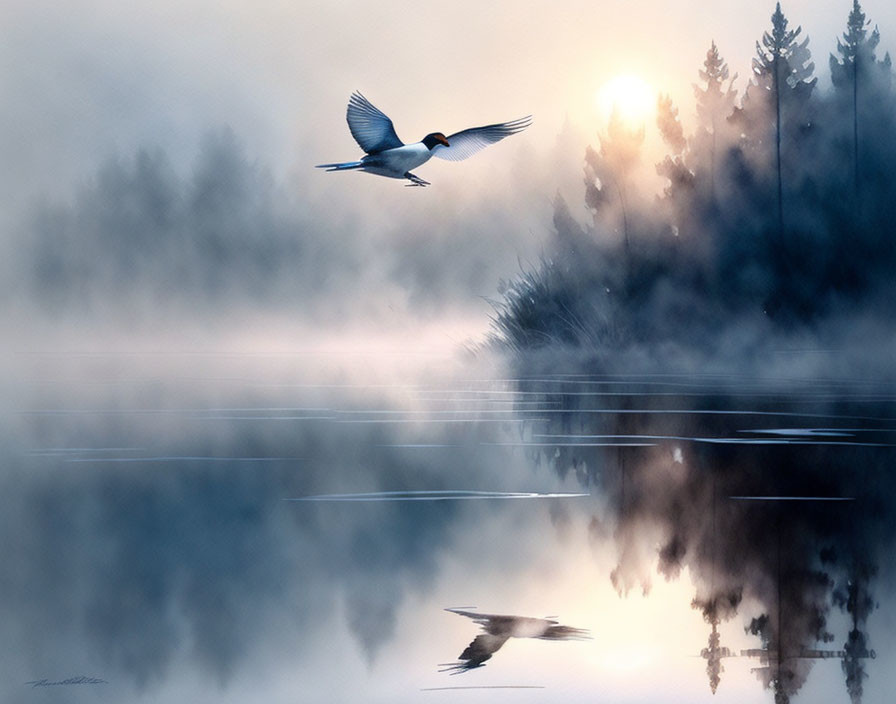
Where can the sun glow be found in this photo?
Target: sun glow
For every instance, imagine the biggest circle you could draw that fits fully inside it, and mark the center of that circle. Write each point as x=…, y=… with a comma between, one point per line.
x=630, y=96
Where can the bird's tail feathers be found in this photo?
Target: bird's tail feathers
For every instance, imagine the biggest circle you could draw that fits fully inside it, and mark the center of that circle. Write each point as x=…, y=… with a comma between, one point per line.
x=342, y=166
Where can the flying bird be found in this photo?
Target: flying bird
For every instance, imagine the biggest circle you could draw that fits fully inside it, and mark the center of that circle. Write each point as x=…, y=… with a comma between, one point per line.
x=388, y=156
x=499, y=628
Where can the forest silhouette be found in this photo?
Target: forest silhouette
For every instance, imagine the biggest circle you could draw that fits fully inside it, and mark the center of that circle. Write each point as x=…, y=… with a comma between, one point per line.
x=777, y=212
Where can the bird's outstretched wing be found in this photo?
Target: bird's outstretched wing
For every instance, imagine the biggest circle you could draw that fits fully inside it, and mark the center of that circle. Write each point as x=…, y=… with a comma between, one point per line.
x=502, y=624
x=370, y=127
x=482, y=648
x=476, y=653
x=466, y=143
x=479, y=618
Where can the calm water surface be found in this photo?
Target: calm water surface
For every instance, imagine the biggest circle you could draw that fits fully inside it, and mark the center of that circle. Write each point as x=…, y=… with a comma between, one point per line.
x=213, y=527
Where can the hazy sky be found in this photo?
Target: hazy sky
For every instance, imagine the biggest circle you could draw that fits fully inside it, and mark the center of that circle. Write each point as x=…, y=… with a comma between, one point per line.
x=88, y=79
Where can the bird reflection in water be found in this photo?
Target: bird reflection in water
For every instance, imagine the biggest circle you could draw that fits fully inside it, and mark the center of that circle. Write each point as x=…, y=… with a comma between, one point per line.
x=498, y=628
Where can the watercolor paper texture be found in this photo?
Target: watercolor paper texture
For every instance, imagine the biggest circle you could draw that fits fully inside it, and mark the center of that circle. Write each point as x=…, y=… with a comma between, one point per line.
x=606, y=412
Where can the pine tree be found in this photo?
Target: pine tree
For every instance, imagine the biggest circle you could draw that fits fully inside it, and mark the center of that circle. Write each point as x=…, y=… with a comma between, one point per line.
x=674, y=166
x=857, y=66
x=715, y=103
x=669, y=124
x=619, y=152
x=782, y=70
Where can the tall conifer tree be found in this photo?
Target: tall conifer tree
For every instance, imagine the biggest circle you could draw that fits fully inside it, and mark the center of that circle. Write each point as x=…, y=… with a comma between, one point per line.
x=715, y=103
x=782, y=70
x=856, y=70
x=619, y=152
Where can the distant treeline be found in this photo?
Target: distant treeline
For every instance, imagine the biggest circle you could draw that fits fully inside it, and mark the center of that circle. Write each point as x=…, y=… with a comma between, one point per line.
x=140, y=238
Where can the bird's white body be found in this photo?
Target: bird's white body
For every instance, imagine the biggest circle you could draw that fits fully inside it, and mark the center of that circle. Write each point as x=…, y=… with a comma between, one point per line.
x=527, y=627
x=388, y=156
x=395, y=163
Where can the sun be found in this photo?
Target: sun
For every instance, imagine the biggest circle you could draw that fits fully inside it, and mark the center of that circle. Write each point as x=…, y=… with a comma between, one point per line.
x=630, y=96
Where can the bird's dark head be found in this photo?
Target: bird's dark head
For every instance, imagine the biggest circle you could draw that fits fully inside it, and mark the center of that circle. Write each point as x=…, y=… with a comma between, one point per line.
x=434, y=138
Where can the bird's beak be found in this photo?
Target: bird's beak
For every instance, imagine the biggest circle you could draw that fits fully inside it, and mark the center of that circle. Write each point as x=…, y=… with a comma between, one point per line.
x=443, y=141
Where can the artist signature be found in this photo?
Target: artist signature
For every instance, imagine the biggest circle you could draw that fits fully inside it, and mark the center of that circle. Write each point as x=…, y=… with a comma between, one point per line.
x=80, y=679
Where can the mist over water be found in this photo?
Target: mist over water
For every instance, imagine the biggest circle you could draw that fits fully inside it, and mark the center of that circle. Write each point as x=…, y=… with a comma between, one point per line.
x=149, y=504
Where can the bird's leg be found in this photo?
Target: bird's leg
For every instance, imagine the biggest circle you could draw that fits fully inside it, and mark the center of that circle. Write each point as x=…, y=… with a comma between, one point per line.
x=415, y=180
